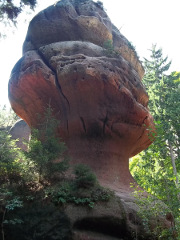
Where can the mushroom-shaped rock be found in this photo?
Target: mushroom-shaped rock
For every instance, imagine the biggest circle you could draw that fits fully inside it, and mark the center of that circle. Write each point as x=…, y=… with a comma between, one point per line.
x=77, y=61
x=95, y=92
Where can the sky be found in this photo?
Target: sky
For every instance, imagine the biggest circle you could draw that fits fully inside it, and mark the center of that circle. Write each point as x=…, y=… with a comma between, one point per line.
x=142, y=22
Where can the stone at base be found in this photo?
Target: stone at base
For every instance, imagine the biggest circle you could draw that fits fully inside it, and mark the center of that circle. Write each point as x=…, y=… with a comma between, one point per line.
x=115, y=219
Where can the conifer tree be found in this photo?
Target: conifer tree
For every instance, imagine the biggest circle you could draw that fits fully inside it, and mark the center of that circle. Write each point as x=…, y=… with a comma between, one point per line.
x=157, y=169
x=155, y=72
x=10, y=9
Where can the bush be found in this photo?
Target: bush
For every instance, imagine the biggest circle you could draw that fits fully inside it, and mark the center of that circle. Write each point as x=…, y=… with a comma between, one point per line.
x=153, y=213
x=109, y=49
x=67, y=192
x=84, y=177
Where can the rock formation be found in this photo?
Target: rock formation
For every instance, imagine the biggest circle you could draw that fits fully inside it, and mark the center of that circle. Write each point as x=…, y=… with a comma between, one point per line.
x=95, y=92
x=99, y=99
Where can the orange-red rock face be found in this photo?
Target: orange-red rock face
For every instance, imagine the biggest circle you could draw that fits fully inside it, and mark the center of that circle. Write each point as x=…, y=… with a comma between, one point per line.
x=99, y=99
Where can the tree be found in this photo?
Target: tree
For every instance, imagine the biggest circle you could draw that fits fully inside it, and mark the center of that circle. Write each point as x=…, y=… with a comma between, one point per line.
x=157, y=66
x=7, y=117
x=164, y=102
x=84, y=177
x=10, y=164
x=157, y=169
x=155, y=69
x=9, y=9
x=45, y=147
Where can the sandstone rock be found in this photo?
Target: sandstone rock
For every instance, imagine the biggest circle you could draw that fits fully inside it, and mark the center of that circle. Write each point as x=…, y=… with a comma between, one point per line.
x=20, y=131
x=100, y=102
x=112, y=220
x=99, y=99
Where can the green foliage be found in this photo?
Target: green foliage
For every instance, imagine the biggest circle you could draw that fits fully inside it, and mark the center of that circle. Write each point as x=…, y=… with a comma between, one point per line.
x=40, y=220
x=38, y=175
x=8, y=202
x=110, y=52
x=19, y=171
x=84, y=177
x=10, y=9
x=133, y=48
x=7, y=117
x=156, y=66
x=83, y=190
x=11, y=171
x=157, y=169
x=9, y=12
x=45, y=147
x=67, y=193
x=10, y=165
x=152, y=212
x=109, y=49
x=70, y=192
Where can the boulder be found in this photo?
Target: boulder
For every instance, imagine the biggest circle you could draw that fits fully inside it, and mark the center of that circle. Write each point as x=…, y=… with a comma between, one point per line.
x=20, y=131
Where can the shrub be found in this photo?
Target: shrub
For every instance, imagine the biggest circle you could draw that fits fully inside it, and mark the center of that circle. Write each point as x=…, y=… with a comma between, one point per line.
x=84, y=177
x=67, y=192
x=109, y=49
x=153, y=212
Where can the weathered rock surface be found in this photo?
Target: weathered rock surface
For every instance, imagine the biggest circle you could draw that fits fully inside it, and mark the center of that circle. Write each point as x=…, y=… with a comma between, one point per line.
x=99, y=99
x=21, y=131
x=116, y=219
